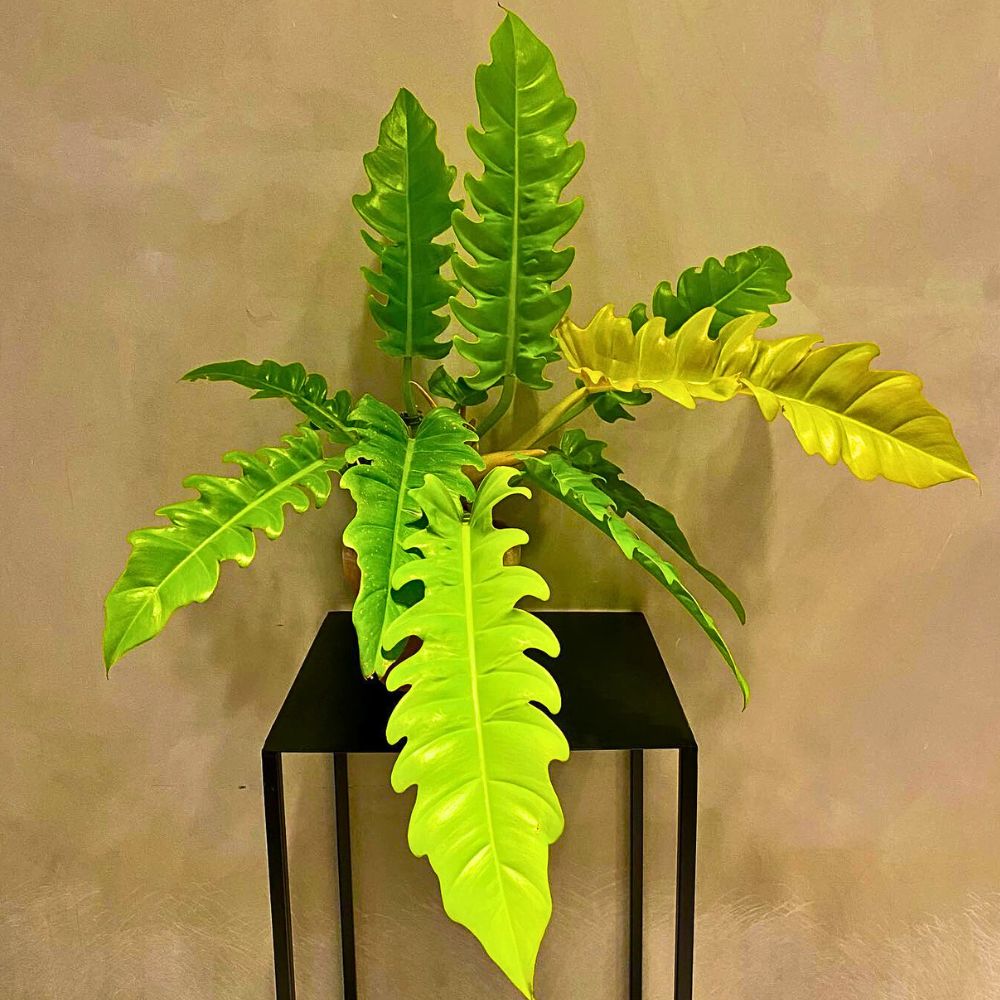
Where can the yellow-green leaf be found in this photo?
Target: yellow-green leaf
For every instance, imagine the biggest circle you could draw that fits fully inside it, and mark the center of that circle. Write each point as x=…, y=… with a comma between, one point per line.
x=877, y=422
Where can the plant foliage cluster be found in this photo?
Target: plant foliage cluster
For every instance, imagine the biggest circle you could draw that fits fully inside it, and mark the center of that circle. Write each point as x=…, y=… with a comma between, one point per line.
x=477, y=746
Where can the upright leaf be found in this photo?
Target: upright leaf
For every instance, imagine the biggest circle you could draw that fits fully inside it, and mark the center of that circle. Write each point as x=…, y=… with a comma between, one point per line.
x=584, y=492
x=877, y=422
x=524, y=114
x=587, y=455
x=477, y=746
x=746, y=282
x=387, y=464
x=409, y=205
x=178, y=564
x=307, y=391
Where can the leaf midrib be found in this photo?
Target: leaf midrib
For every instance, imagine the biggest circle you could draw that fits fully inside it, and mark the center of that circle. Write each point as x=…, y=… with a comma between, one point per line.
x=465, y=534
x=225, y=526
x=515, y=234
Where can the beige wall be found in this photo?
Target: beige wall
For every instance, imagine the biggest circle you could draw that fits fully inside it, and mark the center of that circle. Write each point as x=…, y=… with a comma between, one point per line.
x=174, y=189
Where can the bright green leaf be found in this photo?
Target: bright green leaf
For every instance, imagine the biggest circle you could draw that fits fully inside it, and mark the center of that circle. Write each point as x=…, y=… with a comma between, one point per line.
x=307, y=391
x=477, y=746
x=409, y=205
x=524, y=114
x=178, y=564
x=387, y=464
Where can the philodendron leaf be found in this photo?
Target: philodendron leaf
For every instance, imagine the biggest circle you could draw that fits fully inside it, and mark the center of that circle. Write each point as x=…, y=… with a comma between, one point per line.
x=409, y=205
x=524, y=114
x=587, y=455
x=477, y=746
x=584, y=492
x=387, y=464
x=307, y=391
x=746, y=282
x=877, y=422
x=442, y=385
x=178, y=564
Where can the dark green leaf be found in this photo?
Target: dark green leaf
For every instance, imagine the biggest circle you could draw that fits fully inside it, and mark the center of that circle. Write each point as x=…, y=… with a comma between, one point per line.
x=587, y=454
x=750, y=281
x=442, y=385
x=306, y=391
x=524, y=114
x=409, y=205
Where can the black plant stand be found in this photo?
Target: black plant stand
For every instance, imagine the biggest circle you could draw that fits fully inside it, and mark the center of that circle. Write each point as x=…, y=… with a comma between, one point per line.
x=617, y=695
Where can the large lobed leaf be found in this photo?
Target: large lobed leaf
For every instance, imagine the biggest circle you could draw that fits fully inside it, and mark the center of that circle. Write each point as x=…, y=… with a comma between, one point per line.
x=877, y=422
x=306, y=391
x=178, y=564
x=387, y=464
x=524, y=114
x=477, y=746
x=409, y=205
x=749, y=281
x=587, y=455
x=583, y=491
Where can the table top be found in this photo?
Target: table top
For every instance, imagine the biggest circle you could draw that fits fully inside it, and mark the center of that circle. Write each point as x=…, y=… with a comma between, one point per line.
x=616, y=692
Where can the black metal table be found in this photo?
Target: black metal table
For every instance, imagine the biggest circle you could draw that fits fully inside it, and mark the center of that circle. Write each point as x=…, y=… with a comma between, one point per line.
x=617, y=695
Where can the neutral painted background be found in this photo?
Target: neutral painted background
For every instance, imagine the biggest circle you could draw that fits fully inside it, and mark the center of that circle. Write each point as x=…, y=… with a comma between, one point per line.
x=174, y=189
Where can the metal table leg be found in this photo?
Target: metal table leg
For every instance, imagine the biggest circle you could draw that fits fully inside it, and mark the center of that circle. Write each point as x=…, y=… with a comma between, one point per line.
x=277, y=874
x=344, y=875
x=635, y=865
x=687, y=827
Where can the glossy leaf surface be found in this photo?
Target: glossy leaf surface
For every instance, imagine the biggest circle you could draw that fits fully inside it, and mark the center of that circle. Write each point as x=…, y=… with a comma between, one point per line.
x=387, y=464
x=877, y=422
x=524, y=115
x=442, y=385
x=587, y=455
x=477, y=746
x=746, y=282
x=409, y=205
x=307, y=391
x=584, y=492
x=178, y=564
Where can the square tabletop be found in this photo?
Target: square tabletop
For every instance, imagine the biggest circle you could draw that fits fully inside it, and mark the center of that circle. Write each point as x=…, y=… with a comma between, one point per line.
x=616, y=692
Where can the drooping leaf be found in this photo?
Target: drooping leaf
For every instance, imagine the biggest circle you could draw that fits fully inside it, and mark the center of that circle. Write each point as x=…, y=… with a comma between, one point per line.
x=178, y=564
x=307, y=391
x=387, y=464
x=442, y=385
x=746, y=282
x=584, y=493
x=587, y=455
x=877, y=422
x=477, y=746
x=409, y=205
x=524, y=114
x=611, y=406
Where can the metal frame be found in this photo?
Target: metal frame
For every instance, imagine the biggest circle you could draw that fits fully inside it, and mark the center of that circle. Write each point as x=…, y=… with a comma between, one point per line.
x=687, y=818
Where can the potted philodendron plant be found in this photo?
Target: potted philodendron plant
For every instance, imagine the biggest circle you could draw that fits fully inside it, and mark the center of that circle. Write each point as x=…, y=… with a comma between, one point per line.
x=426, y=478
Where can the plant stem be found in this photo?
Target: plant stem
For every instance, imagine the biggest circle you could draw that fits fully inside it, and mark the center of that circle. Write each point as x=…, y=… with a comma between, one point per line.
x=503, y=405
x=565, y=410
x=408, y=402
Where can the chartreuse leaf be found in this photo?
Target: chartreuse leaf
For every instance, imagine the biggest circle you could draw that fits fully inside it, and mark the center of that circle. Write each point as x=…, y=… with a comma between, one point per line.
x=477, y=746
x=584, y=492
x=524, y=114
x=877, y=422
x=178, y=564
x=409, y=205
x=746, y=282
x=307, y=391
x=587, y=455
x=387, y=464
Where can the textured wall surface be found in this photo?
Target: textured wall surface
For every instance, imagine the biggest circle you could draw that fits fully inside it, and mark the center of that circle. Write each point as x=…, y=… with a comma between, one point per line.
x=174, y=189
